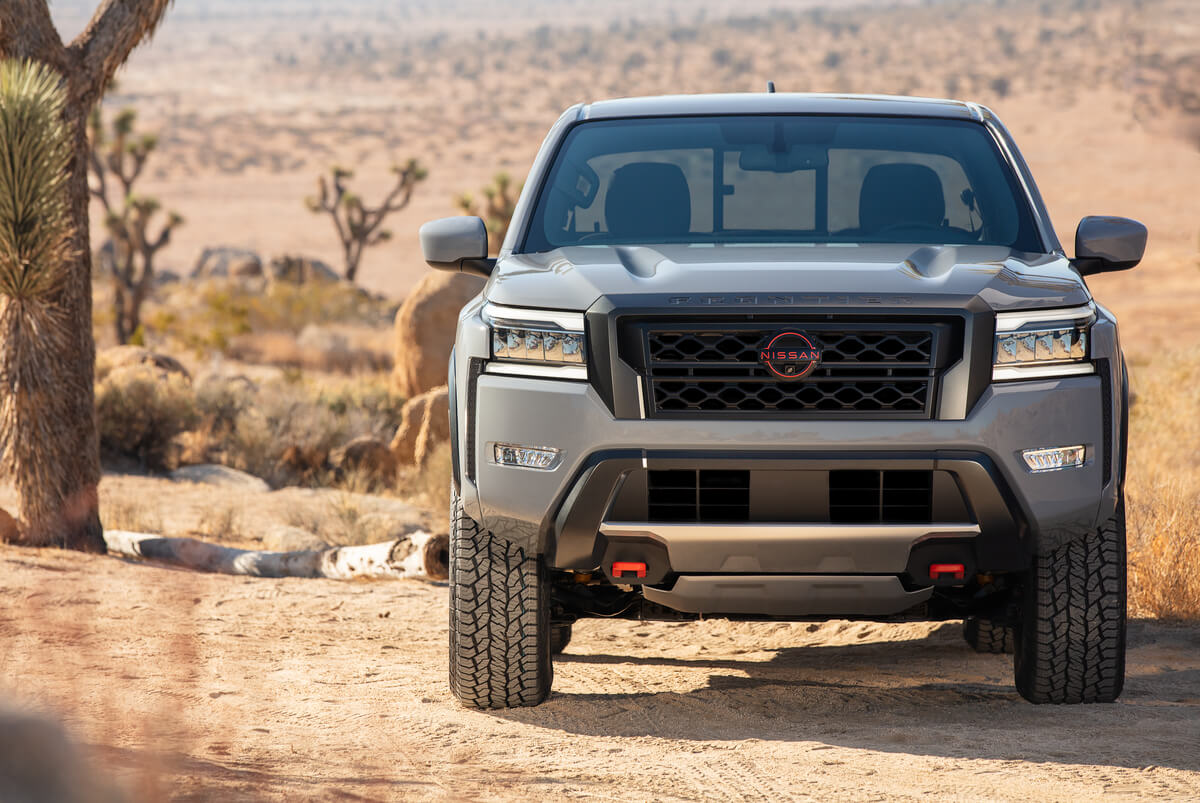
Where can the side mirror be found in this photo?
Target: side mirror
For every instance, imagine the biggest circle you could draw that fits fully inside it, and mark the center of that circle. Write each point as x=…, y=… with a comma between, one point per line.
x=458, y=244
x=1105, y=244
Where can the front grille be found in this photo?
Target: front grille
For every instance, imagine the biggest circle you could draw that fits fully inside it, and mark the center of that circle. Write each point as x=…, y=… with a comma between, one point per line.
x=867, y=368
x=704, y=495
x=877, y=497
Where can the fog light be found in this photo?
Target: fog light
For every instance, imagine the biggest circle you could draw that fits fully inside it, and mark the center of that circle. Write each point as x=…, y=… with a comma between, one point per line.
x=1040, y=460
x=542, y=457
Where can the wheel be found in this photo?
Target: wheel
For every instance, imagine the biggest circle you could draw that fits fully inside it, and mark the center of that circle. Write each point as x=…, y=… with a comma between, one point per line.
x=499, y=618
x=560, y=637
x=1070, y=641
x=987, y=635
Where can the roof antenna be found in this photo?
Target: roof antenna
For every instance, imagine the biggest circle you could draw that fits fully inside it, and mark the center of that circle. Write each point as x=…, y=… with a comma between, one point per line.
x=770, y=87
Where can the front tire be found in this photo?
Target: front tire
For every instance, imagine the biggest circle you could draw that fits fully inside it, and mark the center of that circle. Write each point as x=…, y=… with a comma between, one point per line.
x=1070, y=642
x=499, y=618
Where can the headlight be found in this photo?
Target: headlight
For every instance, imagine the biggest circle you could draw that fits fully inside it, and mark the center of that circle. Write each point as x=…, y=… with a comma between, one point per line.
x=537, y=342
x=1042, y=343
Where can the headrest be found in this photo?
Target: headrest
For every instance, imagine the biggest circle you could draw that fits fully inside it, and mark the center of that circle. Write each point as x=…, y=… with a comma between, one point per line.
x=648, y=199
x=895, y=194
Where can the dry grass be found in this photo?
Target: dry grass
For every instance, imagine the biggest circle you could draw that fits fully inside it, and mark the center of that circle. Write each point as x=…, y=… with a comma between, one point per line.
x=429, y=485
x=1163, y=488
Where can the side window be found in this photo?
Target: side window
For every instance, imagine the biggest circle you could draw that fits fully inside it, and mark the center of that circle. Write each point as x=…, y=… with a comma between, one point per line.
x=848, y=170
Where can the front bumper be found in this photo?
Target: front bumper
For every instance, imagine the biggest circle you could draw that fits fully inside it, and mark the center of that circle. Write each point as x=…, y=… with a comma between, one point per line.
x=559, y=513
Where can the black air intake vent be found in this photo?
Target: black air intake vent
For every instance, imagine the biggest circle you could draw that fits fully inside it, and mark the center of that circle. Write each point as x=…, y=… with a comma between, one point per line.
x=706, y=495
x=873, y=497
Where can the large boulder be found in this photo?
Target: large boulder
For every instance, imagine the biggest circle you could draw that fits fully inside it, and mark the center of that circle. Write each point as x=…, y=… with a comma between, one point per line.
x=424, y=423
x=301, y=270
x=221, y=477
x=365, y=455
x=120, y=358
x=9, y=531
x=424, y=331
x=224, y=261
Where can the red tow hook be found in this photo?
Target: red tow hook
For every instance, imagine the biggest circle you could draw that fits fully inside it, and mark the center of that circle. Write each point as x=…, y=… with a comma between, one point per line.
x=620, y=567
x=955, y=570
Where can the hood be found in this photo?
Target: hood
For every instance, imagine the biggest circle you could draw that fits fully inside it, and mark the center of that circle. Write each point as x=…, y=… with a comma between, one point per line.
x=576, y=277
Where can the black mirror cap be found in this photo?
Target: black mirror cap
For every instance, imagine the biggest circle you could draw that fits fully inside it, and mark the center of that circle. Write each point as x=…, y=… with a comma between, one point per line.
x=457, y=244
x=1104, y=244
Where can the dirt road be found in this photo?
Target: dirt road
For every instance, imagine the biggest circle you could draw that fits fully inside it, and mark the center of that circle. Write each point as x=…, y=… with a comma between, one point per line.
x=208, y=687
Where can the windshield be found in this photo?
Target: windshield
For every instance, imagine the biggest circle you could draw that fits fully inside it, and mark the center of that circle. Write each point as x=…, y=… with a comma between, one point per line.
x=780, y=179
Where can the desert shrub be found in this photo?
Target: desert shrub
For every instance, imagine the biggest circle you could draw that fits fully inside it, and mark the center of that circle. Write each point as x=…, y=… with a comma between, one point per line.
x=139, y=412
x=337, y=354
x=223, y=314
x=284, y=431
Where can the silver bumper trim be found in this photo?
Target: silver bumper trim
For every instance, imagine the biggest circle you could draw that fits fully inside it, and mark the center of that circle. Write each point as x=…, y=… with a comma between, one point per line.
x=787, y=548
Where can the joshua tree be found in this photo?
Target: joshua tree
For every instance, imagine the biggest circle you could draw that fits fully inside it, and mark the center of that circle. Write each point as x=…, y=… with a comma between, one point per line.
x=358, y=225
x=499, y=202
x=84, y=67
x=35, y=247
x=117, y=161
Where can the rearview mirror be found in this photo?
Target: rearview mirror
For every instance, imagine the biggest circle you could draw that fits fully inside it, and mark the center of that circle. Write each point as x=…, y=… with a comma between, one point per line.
x=1105, y=244
x=458, y=244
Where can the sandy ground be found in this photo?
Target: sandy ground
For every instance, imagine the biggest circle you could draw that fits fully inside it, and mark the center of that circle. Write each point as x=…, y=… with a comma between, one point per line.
x=207, y=687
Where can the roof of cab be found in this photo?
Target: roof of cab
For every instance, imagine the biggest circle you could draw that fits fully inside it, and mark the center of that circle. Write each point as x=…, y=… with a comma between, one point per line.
x=780, y=103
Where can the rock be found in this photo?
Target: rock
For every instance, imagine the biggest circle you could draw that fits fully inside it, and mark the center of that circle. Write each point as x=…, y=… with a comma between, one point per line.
x=221, y=476
x=424, y=331
x=301, y=270
x=365, y=454
x=162, y=277
x=291, y=539
x=225, y=261
x=9, y=531
x=123, y=357
x=424, y=423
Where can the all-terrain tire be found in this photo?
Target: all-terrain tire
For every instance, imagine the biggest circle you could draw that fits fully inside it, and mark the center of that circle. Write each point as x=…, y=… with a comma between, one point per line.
x=499, y=618
x=1070, y=642
x=560, y=637
x=988, y=635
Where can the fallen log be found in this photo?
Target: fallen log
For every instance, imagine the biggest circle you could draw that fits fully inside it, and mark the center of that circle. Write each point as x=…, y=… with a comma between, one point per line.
x=418, y=555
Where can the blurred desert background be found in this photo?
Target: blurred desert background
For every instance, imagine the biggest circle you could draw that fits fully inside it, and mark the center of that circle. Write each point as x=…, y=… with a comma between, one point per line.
x=262, y=409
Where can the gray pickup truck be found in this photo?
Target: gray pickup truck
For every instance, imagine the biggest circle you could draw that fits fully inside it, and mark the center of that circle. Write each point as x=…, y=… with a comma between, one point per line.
x=776, y=356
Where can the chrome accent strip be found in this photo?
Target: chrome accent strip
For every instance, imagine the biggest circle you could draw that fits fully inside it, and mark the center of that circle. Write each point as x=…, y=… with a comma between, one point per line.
x=1007, y=373
x=641, y=392
x=572, y=372
x=693, y=532
x=568, y=321
x=1013, y=321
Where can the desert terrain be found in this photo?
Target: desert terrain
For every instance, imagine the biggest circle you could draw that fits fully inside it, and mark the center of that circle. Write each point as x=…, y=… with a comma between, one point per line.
x=206, y=687
x=188, y=686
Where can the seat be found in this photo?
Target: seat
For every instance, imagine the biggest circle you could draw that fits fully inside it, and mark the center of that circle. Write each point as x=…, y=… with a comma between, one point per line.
x=900, y=194
x=648, y=199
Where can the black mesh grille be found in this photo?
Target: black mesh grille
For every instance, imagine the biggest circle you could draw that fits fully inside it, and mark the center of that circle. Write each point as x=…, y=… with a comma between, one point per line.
x=868, y=369
x=705, y=495
x=880, y=497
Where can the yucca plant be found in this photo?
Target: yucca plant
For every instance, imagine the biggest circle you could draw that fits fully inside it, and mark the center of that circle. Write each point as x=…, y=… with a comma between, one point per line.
x=35, y=249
